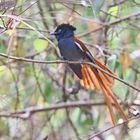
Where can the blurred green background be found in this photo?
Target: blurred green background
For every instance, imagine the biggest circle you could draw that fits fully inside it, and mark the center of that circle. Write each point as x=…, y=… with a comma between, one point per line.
x=111, y=31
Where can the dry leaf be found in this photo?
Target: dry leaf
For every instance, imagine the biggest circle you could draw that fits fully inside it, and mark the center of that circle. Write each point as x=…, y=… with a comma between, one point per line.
x=125, y=60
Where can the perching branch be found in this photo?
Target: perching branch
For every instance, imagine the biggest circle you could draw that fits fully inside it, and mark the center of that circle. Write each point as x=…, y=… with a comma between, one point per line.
x=68, y=62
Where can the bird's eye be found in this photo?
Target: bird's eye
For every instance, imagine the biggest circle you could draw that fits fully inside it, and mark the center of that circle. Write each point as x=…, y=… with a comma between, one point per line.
x=59, y=31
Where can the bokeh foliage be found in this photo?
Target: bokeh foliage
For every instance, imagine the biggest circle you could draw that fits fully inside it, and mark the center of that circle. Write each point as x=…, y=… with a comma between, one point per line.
x=25, y=27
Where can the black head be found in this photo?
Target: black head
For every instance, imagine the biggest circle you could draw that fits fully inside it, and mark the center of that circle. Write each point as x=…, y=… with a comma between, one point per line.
x=64, y=31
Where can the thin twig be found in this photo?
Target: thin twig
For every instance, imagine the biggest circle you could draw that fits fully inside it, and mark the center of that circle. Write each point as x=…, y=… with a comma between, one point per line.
x=22, y=20
x=68, y=62
x=37, y=79
x=117, y=3
x=132, y=16
x=72, y=124
x=110, y=128
x=27, y=8
x=27, y=112
x=42, y=15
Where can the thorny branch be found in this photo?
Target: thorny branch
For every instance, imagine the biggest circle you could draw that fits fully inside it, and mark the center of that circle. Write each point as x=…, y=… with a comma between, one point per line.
x=67, y=62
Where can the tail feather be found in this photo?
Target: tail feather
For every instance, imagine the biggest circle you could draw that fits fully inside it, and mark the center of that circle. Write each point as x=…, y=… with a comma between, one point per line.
x=110, y=79
x=107, y=90
x=94, y=79
x=105, y=79
x=108, y=102
x=85, y=81
x=91, y=84
x=117, y=104
x=89, y=75
x=99, y=80
x=97, y=62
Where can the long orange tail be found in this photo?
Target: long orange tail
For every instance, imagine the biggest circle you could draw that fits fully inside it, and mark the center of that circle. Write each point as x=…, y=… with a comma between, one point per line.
x=101, y=81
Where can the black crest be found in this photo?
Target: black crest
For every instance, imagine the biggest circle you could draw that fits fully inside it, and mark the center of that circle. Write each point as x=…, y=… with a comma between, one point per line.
x=65, y=27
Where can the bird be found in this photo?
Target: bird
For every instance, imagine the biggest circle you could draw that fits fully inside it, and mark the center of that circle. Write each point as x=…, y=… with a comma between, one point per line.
x=73, y=49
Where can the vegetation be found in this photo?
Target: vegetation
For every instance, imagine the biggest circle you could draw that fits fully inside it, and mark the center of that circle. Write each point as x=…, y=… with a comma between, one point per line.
x=39, y=98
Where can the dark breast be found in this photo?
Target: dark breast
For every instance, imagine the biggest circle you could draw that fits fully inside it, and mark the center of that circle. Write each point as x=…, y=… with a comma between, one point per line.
x=70, y=51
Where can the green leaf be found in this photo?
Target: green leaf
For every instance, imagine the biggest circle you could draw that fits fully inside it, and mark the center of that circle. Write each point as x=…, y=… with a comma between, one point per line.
x=48, y=89
x=113, y=10
x=40, y=44
x=2, y=48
